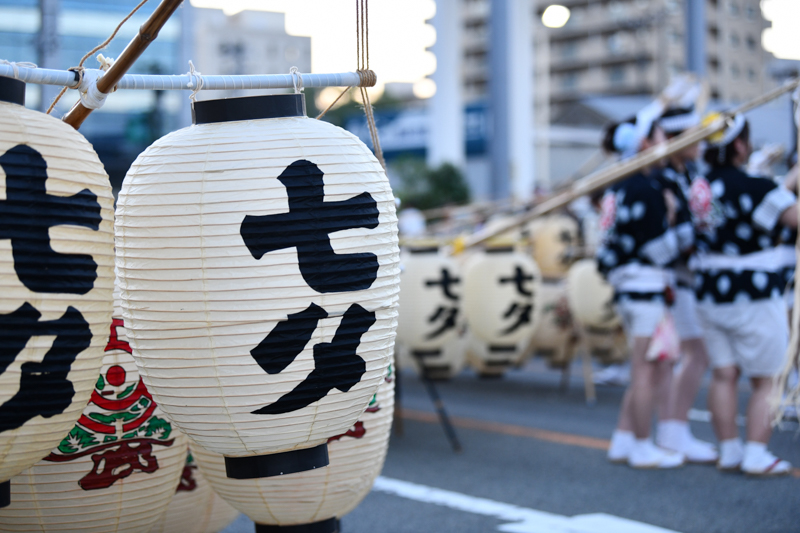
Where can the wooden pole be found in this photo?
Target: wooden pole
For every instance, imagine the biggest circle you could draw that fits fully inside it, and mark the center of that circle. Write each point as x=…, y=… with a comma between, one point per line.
x=608, y=176
x=147, y=34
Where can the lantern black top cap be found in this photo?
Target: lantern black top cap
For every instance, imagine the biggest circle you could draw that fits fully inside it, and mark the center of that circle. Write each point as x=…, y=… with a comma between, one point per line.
x=249, y=108
x=12, y=90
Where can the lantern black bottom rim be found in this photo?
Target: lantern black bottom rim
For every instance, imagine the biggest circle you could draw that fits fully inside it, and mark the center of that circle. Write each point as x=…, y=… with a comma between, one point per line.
x=5, y=494
x=277, y=464
x=330, y=525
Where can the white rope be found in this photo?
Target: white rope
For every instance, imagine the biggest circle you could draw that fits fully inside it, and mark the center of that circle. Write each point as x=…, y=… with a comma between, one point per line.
x=196, y=77
x=91, y=96
x=297, y=80
x=16, y=66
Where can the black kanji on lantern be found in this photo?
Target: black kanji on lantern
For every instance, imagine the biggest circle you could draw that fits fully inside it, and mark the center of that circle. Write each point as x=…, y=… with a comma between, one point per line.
x=448, y=318
x=523, y=316
x=519, y=280
x=445, y=281
x=47, y=379
x=28, y=213
x=307, y=227
x=336, y=363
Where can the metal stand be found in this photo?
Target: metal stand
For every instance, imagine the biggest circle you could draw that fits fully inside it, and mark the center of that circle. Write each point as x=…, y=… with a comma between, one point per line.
x=444, y=420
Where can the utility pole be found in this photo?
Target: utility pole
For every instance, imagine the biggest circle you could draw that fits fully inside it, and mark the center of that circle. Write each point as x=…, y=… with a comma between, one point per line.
x=446, y=107
x=511, y=99
x=47, y=47
x=696, y=36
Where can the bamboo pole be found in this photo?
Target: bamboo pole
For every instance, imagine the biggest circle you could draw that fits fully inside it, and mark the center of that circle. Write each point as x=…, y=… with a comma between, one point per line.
x=608, y=176
x=147, y=34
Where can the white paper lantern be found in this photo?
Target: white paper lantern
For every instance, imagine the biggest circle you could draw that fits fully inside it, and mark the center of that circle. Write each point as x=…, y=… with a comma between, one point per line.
x=591, y=302
x=314, y=499
x=446, y=364
x=590, y=297
x=56, y=278
x=430, y=322
x=259, y=267
x=555, y=337
x=500, y=288
x=195, y=507
x=555, y=240
x=115, y=471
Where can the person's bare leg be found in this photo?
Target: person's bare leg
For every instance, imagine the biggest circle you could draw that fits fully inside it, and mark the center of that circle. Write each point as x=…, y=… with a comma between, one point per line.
x=641, y=390
x=665, y=383
x=722, y=401
x=686, y=384
x=758, y=426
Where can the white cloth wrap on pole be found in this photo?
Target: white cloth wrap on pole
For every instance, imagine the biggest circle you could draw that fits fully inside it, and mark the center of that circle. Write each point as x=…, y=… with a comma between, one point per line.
x=184, y=82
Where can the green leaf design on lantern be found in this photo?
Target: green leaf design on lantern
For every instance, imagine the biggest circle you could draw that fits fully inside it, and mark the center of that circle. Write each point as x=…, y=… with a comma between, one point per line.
x=75, y=440
x=126, y=392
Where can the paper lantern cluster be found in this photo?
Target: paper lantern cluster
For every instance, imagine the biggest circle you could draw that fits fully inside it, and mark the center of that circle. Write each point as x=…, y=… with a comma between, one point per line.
x=56, y=279
x=195, y=507
x=259, y=268
x=431, y=325
x=316, y=498
x=500, y=293
x=115, y=470
x=555, y=337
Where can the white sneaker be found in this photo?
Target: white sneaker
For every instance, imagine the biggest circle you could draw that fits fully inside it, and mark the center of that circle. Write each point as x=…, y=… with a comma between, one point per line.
x=621, y=444
x=613, y=375
x=758, y=461
x=676, y=435
x=645, y=454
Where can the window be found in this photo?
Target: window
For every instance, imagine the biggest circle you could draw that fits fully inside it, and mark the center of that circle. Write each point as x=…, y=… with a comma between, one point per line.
x=614, y=43
x=752, y=45
x=750, y=12
x=569, y=49
x=734, y=40
x=733, y=8
x=751, y=75
x=735, y=71
x=569, y=81
x=616, y=75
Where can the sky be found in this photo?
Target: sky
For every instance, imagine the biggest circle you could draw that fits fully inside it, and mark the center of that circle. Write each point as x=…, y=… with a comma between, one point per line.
x=399, y=34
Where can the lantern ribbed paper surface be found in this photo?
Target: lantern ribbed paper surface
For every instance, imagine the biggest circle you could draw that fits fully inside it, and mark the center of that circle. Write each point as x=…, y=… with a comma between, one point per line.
x=590, y=297
x=437, y=364
x=356, y=459
x=115, y=471
x=554, y=240
x=195, y=507
x=259, y=271
x=56, y=278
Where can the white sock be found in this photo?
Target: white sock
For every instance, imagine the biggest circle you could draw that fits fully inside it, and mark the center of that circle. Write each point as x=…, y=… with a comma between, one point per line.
x=754, y=449
x=730, y=451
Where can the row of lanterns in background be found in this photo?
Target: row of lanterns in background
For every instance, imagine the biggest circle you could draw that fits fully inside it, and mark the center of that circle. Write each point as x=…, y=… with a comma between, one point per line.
x=254, y=267
x=521, y=295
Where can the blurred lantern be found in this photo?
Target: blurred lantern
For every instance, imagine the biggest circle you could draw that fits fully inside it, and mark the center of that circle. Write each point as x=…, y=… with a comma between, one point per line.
x=259, y=269
x=115, y=471
x=429, y=318
x=500, y=287
x=195, y=507
x=555, y=337
x=555, y=242
x=591, y=302
x=446, y=364
x=313, y=501
x=56, y=278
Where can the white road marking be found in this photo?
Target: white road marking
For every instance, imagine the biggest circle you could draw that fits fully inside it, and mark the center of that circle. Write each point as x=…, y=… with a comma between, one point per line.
x=519, y=519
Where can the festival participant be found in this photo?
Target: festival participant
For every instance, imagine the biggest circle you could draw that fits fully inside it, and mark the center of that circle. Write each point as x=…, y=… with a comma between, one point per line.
x=679, y=392
x=737, y=219
x=639, y=246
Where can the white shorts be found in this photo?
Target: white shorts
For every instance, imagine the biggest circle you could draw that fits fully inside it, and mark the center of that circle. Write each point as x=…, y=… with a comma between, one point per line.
x=751, y=335
x=640, y=318
x=684, y=312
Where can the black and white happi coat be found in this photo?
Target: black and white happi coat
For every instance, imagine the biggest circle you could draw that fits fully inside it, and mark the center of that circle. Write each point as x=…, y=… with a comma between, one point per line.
x=679, y=183
x=737, y=223
x=638, y=245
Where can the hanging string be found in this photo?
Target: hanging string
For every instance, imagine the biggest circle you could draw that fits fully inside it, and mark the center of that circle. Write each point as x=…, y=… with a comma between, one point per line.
x=195, y=75
x=79, y=69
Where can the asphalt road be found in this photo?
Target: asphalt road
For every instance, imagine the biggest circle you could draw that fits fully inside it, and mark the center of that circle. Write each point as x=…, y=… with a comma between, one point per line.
x=533, y=461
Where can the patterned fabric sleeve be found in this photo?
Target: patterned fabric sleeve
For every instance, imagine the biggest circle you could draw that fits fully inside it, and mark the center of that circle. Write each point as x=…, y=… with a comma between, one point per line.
x=768, y=211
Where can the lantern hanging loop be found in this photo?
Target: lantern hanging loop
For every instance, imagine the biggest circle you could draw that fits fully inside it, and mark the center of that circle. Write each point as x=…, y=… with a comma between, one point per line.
x=196, y=86
x=15, y=66
x=297, y=80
